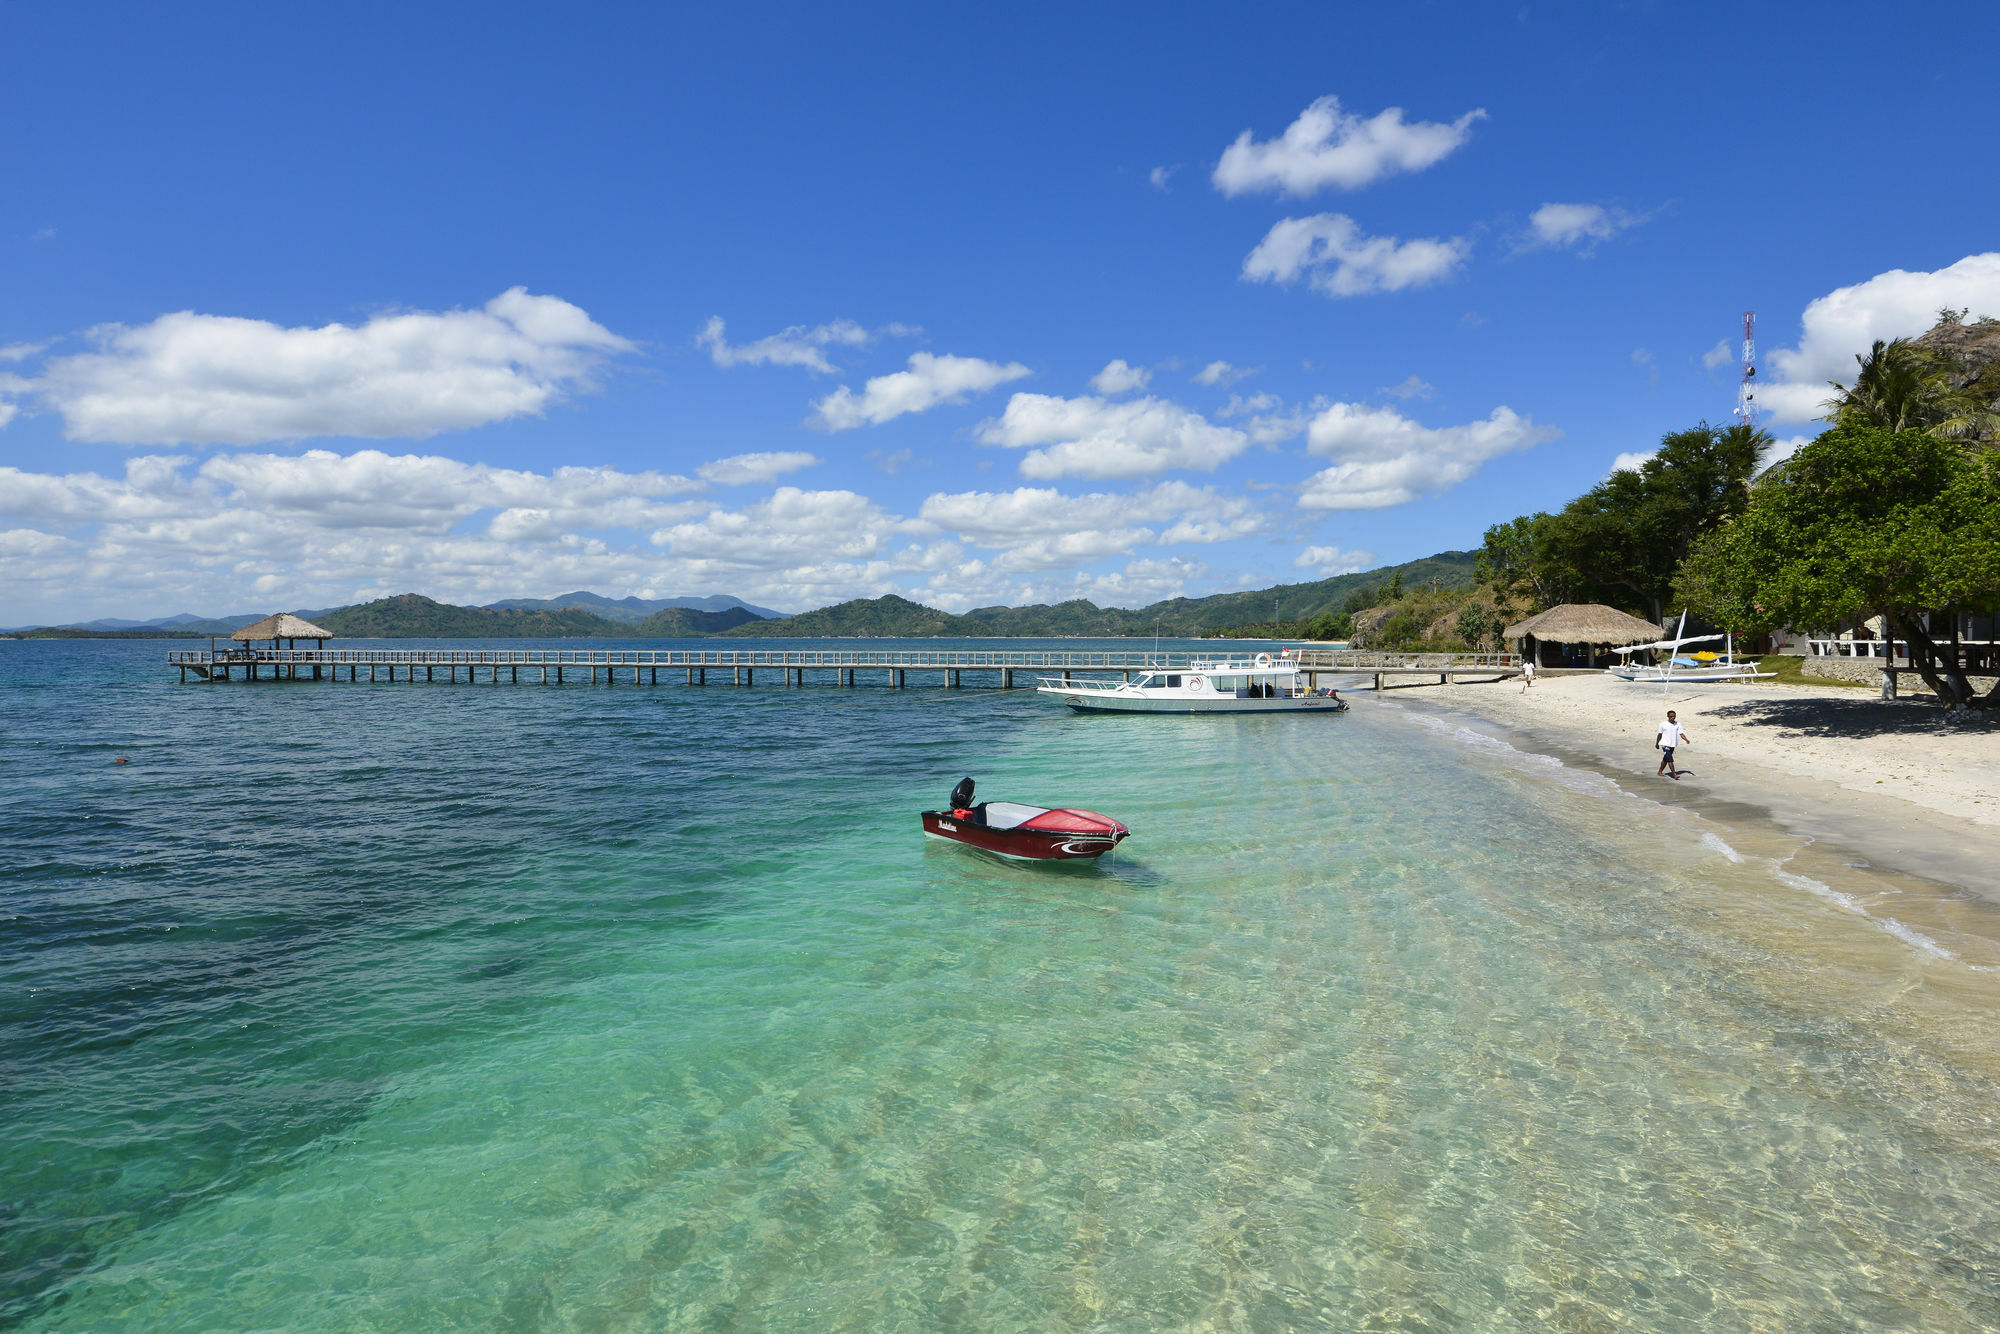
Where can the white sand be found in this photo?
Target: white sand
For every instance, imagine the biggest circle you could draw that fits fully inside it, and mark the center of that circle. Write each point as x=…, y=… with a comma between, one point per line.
x=1836, y=763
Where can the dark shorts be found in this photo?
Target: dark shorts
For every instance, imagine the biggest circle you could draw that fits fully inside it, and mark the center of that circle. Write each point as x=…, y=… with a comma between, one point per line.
x=1667, y=756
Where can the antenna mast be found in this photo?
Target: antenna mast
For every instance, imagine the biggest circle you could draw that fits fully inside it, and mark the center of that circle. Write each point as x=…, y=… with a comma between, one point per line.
x=1746, y=394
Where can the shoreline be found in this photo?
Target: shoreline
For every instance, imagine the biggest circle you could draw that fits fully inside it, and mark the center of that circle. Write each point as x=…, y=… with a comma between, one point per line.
x=1913, y=794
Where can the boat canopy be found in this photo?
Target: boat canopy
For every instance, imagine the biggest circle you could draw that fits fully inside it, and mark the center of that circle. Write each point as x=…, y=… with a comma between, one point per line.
x=1667, y=643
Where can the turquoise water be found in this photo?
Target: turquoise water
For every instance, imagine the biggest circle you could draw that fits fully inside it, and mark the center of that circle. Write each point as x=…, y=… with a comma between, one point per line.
x=432, y=1007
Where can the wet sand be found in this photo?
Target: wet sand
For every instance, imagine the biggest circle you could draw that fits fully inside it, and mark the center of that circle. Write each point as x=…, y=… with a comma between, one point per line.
x=1892, y=781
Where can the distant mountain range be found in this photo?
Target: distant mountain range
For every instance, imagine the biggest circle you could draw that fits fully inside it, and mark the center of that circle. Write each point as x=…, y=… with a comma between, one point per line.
x=411, y=616
x=593, y=616
x=184, y=623
x=629, y=609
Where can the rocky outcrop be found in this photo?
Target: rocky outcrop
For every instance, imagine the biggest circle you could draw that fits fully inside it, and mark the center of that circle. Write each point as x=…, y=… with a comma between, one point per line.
x=1974, y=351
x=1368, y=626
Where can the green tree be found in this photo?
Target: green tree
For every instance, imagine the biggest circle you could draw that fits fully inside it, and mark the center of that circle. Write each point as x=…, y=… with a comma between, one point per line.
x=1903, y=387
x=1478, y=626
x=1864, y=521
x=1517, y=563
x=1622, y=541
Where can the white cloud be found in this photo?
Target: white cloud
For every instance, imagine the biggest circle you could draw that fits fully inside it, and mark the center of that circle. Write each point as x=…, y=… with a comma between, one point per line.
x=248, y=531
x=1781, y=451
x=1159, y=176
x=1140, y=583
x=1041, y=528
x=1220, y=374
x=1329, y=249
x=1329, y=561
x=371, y=489
x=30, y=543
x=211, y=379
x=1383, y=458
x=755, y=469
x=809, y=524
x=1413, y=387
x=1577, y=226
x=1118, y=378
x=253, y=530
x=1326, y=147
x=1092, y=437
x=1238, y=405
x=1844, y=323
x=1630, y=462
x=1720, y=355
x=1268, y=420
x=21, y=351
x=929, y=381
x=795, y=346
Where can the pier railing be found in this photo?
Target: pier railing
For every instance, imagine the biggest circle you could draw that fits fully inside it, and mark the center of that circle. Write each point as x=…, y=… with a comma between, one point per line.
x=917, y=659
x=644, y=665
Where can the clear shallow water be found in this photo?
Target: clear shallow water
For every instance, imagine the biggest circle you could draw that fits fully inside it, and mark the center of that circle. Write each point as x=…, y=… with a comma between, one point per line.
x=407, y=1007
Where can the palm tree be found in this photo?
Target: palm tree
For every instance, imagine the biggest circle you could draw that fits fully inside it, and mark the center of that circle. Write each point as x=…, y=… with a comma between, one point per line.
x=1903, y=387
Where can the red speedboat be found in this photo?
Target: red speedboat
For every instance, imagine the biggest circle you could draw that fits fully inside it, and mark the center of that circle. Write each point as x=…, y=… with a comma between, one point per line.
x=1028, y=833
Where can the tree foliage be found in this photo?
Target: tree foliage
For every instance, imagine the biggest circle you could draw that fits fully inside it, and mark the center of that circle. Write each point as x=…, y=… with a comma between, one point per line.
x=1621, y=542
x=1863, y=521
x=1903, y=387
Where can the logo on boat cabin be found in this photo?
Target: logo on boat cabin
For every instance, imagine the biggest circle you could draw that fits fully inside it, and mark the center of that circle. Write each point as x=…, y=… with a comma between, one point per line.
x=946, y=824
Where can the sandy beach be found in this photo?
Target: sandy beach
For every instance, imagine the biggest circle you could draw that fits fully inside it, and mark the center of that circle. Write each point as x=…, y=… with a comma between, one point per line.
x=1891, y=780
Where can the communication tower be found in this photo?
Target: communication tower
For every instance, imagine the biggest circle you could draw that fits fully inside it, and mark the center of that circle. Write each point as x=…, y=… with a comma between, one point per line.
x=1746, y=395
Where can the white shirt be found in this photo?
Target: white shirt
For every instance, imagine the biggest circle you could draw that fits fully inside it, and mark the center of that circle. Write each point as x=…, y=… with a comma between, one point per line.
x=1670, y=735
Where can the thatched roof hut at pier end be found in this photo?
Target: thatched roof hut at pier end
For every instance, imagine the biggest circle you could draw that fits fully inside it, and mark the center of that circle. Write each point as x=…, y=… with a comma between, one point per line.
x=283, y=626
x=1577, y=633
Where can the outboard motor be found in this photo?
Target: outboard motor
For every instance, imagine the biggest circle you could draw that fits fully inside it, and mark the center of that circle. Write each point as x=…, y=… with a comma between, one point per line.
x=961, y=796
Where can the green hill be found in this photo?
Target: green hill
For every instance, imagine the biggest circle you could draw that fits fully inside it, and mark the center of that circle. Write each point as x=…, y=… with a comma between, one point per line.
x=690, y=622
x=883, y=617
x=413, y=616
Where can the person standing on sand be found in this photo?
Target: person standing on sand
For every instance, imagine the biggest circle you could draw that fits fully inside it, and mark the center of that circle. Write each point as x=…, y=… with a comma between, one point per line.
x=1527, y=674
x=1671, y=734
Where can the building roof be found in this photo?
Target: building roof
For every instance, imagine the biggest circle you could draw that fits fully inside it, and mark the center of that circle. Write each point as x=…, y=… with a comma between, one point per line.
x=284, y=625
x=1584, y=623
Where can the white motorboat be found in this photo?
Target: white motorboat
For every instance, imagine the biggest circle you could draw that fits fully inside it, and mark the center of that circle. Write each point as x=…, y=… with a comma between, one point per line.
x=1256, y=685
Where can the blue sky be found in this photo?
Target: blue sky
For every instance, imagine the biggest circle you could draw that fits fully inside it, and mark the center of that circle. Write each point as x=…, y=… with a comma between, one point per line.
x=303, y=307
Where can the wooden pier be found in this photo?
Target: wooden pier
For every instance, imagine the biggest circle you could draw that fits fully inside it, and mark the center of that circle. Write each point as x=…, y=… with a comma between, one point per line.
x=834, y=666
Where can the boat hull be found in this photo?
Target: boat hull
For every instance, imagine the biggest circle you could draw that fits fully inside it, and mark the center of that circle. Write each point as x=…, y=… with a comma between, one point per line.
x=1689, y=675
x=1028, y=845
x=1092, y=702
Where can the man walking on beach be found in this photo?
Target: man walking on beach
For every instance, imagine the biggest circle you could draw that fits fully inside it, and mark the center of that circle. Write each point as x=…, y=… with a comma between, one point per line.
x=1527, y=674
x=1671, y=735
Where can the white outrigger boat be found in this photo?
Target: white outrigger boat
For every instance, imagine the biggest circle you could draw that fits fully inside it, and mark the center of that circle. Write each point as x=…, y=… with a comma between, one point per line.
x=1694, y=669
x=1259, y=685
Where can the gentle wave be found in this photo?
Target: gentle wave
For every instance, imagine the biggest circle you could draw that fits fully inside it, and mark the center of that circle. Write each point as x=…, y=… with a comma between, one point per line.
x=1594, y=784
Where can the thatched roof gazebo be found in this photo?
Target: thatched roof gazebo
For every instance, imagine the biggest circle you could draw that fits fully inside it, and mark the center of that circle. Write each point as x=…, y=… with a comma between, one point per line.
x=1572, y=635
x=282, y=626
